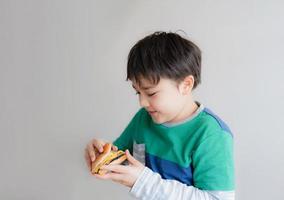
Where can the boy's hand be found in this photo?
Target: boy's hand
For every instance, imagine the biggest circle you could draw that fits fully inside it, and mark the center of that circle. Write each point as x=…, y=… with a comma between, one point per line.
x=123, y=174
x=93, y=149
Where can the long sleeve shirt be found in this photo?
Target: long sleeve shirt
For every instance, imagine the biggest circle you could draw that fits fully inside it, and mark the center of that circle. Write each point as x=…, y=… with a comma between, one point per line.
x=192, y=159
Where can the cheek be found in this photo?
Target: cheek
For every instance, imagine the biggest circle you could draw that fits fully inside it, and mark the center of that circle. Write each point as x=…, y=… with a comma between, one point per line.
x=166, y=103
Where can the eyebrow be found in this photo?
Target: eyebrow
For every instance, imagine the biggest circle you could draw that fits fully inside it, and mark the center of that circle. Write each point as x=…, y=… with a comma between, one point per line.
x=144, y=88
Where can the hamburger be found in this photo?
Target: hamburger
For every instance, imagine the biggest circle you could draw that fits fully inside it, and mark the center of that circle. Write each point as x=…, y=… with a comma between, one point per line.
x=107, y=157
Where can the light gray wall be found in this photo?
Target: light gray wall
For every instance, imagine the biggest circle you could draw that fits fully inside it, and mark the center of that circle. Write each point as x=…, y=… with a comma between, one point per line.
x=62, y=82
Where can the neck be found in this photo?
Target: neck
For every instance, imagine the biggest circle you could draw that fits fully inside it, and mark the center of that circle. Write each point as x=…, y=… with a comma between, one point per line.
x=187, y=111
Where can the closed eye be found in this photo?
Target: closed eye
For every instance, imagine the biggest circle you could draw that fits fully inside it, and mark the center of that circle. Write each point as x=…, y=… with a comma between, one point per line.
x=152, y=94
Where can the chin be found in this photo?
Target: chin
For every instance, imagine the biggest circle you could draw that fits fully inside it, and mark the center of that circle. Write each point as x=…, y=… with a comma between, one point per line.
x=156, y=121
x=159, y=121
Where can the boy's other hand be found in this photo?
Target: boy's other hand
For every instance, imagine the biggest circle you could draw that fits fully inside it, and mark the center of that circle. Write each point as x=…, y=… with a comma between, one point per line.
x=93, y=149
x=123, y=174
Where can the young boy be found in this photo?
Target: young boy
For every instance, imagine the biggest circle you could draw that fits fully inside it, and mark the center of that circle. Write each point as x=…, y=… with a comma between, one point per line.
x=186, y=149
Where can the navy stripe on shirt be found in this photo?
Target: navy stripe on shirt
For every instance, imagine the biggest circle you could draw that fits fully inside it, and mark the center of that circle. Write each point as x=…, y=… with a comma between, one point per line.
x=169, y=170
x=222, y=124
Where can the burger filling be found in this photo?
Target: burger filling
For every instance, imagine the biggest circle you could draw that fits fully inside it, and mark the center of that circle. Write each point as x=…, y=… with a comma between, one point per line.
x=113, y=155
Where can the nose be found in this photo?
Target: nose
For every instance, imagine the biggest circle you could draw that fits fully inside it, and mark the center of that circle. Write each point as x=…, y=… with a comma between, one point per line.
x=143, y=101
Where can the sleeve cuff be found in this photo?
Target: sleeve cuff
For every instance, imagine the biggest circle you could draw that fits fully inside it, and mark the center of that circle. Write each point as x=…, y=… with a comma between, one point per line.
x=140, y=182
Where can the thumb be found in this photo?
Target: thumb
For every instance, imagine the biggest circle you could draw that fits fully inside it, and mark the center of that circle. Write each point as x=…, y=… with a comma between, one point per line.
x=130, y=158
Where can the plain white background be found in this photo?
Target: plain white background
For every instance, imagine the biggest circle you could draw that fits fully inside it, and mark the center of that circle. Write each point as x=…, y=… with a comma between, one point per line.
x=62, y=83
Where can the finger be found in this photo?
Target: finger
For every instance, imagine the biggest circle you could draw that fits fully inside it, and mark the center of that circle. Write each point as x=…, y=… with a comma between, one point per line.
x=112, y=176
x=98, y=144
x=102, y=176
x=88, y=160
x=130, y=158
x=91, y=152
x=114, y=148
x=116, y=168
x=116, y=177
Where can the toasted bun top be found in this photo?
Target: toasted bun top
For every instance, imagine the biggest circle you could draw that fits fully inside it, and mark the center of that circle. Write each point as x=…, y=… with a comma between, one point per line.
x=103, y=155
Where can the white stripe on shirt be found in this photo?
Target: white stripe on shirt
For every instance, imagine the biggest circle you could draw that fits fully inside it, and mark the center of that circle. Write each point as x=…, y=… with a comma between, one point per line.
x=150, y=186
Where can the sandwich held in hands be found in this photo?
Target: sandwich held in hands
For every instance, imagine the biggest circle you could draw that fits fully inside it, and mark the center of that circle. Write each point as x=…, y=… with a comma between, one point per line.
x=107, y=157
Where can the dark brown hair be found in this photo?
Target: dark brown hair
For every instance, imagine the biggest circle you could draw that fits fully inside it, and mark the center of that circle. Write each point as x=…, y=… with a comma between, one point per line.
x=164, y=55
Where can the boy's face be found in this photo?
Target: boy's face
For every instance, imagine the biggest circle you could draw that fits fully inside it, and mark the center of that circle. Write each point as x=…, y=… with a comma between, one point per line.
x=164, y=101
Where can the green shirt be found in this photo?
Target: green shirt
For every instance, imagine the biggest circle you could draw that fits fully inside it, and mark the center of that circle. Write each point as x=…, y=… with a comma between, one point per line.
x=197, y=152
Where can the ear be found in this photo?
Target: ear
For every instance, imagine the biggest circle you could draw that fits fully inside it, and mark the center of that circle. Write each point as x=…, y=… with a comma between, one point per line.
x=186, y=85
